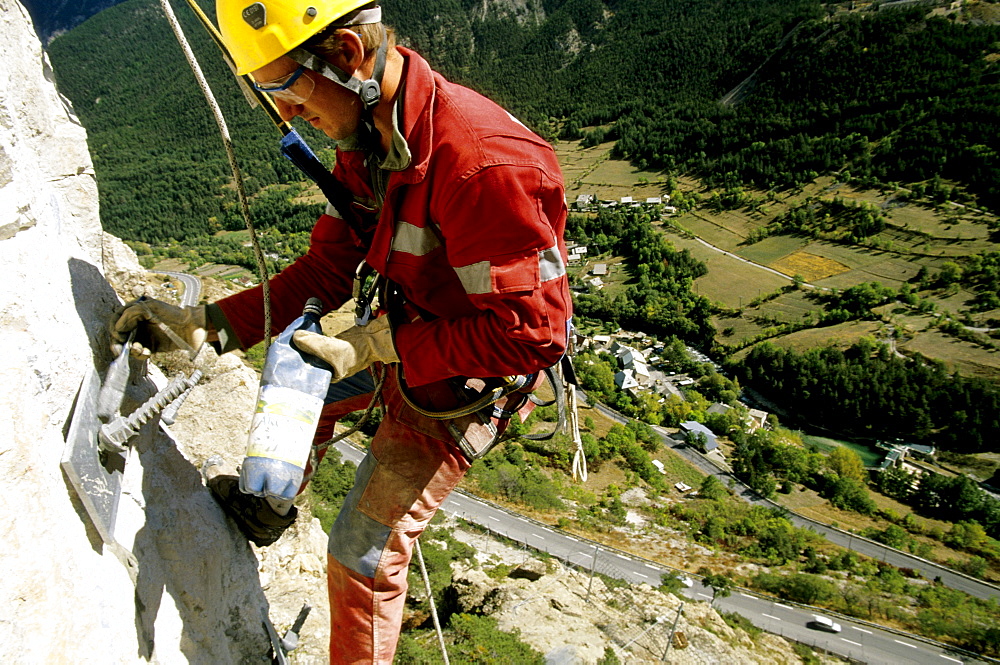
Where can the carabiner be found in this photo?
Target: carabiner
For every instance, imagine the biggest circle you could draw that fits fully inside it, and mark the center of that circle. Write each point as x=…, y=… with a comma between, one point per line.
x=365, y=292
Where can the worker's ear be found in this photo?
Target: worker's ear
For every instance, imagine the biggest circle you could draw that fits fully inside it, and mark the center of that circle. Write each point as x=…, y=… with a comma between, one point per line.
x=352, y=52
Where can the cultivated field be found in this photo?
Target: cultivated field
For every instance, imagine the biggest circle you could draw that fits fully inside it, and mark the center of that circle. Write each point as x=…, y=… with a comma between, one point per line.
x=730, y=281
x=916, y=237
x=770, y=251
x=592, y=171
x=811, y=267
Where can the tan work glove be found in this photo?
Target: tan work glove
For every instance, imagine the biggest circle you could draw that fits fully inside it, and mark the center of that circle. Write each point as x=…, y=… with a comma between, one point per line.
x=352, y=350
x=159, y=326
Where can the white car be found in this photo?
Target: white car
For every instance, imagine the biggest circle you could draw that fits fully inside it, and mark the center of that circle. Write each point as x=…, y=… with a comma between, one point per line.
x=824, y=623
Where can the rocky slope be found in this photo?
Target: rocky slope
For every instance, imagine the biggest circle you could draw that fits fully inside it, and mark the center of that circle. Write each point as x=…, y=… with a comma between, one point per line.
x=561, y=613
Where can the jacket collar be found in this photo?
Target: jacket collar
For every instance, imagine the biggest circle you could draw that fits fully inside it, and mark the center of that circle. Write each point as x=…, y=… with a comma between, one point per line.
x=419, y=92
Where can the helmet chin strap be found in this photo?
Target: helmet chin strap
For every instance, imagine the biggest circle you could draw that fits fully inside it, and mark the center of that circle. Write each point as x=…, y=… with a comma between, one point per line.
x=368, y=91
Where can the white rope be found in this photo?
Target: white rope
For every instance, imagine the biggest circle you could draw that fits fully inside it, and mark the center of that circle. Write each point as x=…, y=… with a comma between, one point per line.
x=230, y=153
x=430, y=599
x=579, y=458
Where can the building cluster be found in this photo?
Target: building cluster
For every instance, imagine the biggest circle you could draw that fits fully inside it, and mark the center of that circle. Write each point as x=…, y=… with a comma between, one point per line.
x=598, y=272
x=897, y=454
x=578, y=253
x=642, y=370
x=637, y=371
x=590, y=203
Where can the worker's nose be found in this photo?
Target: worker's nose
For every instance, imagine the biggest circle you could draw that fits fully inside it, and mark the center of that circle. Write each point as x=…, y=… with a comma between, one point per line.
x=286, y=110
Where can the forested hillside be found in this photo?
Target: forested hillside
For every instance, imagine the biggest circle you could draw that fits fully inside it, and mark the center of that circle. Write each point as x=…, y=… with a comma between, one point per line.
x=160, y=165
x=892, y=95
x=160, y=162
x=52, y=17
x=866, y=392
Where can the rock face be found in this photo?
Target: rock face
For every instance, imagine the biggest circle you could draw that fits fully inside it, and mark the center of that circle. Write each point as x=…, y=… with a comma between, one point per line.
x=194, y=589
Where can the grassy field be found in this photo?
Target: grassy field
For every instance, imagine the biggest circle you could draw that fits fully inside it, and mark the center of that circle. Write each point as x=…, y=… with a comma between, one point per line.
x=968, y=359
x=591, y=171
x=918, y=237
x=841, y=336
x=734, y=330
x=959, y=302
x=769, y=251
x=939, y=225
x=729, y=281
x=791, y=307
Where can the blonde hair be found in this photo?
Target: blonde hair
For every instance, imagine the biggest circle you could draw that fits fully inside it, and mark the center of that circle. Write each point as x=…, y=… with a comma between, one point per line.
x=329, y=43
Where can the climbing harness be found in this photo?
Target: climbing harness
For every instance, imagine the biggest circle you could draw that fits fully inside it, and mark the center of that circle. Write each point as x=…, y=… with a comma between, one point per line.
x=486, y=405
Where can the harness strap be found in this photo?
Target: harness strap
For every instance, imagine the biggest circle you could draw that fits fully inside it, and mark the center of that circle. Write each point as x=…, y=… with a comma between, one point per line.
x=488, y=397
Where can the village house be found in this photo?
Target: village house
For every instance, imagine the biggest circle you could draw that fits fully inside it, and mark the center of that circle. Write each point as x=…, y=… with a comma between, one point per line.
x=691, y=428
x=625, y=380
x=584, y=202
x=756, y=419
x=668, y=389
x=244, y=282
x=718, y=409
x=602, y=341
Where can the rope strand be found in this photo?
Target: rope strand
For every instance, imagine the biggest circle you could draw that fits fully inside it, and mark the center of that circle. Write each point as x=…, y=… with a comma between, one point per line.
x=231, y=154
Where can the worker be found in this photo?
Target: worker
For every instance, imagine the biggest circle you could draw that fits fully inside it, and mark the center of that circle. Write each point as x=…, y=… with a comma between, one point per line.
x=459, y=210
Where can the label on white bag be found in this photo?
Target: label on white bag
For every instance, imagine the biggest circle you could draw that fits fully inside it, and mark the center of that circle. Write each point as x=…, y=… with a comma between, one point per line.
x=284, y=425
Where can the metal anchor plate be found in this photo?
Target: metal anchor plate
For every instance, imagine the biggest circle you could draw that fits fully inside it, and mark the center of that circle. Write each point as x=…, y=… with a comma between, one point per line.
x=97, y=477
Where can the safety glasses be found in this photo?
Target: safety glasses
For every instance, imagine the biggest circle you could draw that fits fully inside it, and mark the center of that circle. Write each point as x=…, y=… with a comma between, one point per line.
x=292, y=89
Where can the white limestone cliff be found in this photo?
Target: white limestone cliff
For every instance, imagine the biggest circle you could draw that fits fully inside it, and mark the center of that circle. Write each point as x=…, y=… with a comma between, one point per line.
x=194, y=594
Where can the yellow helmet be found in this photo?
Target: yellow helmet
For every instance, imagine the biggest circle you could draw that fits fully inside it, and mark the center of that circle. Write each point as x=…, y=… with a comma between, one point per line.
x=257, y=33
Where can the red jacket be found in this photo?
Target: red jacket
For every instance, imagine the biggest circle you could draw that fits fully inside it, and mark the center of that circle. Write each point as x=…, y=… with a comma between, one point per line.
x=471, y=231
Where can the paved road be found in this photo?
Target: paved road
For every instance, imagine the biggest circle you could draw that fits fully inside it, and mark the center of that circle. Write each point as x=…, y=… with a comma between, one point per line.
x=864, y=546
x=192, y=287
x=861, y=545
x=860, y=641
